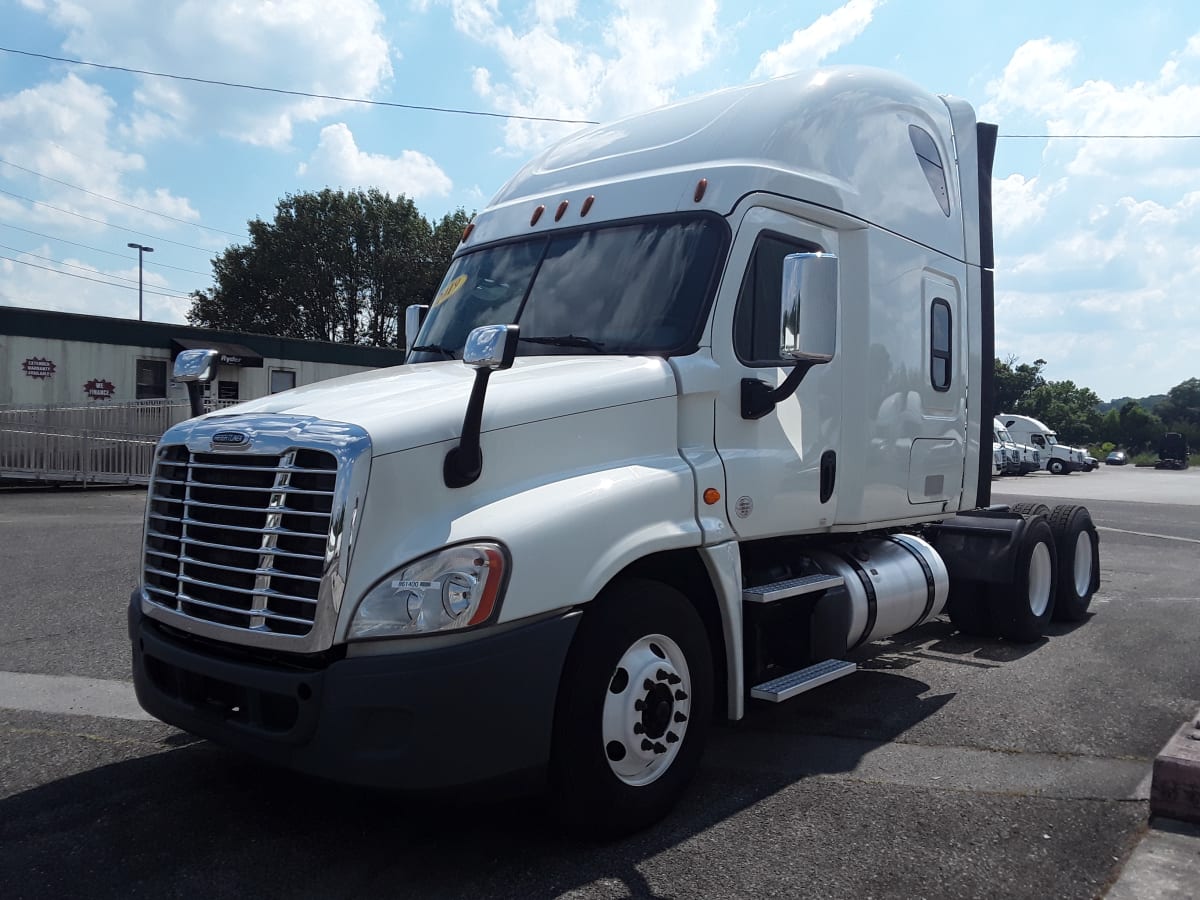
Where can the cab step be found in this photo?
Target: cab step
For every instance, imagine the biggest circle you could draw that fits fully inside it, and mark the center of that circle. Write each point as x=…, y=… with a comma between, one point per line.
x=793, y=587
x=787, y=686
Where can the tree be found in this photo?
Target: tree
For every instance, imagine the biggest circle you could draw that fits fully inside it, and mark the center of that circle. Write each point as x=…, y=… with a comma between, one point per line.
x=1182, y=406
x=1013, y=382
x=332, y=266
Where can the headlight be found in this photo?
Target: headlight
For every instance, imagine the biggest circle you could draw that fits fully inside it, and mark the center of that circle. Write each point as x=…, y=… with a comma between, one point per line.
x=454, y=588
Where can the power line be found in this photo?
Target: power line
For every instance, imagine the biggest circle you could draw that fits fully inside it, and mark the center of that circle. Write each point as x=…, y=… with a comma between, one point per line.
x=58, y=262
x=106, y=224
x=86, y=278
x=148, y=263
x=121, y=202
x=271, y=90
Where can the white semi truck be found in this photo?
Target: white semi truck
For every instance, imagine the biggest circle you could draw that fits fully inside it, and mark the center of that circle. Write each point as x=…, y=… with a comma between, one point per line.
x=697, y=412
x=1058, y=459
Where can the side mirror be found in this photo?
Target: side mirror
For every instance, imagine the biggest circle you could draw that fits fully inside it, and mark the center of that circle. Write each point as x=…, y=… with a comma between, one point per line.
x=196, y=365
x=414, y=318
x=808, y=312
x=491, y=347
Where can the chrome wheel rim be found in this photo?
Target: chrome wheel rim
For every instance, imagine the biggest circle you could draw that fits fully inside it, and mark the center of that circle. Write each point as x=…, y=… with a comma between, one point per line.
x=647, y=705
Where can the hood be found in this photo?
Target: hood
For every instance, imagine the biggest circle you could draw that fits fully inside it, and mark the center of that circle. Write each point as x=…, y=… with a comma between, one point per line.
x=413, y=405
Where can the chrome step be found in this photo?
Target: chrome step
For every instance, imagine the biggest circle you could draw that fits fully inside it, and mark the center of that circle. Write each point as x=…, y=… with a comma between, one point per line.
x=793, y=587
x=787, y=686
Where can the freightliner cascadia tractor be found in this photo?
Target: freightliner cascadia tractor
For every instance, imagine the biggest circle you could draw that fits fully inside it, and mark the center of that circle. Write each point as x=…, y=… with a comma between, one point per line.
x=700, y=409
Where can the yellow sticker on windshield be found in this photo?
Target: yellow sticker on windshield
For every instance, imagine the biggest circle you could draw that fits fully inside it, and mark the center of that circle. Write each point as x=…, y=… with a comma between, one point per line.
x=450, y=290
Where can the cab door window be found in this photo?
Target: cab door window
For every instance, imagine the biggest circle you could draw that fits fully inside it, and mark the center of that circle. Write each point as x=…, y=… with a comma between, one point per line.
x=756, y=319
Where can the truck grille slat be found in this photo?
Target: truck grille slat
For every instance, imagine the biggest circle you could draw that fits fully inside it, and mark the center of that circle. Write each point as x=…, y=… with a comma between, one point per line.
x=239, y=540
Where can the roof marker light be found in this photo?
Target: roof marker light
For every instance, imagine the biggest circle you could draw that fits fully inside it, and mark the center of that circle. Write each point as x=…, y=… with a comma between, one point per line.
x=587, y=205
x=537, y=214
x=562, y=208
x=701, y=187
x=467, y=231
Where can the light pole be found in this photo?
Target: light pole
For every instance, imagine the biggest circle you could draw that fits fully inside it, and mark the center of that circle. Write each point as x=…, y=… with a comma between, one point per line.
x=140, y=249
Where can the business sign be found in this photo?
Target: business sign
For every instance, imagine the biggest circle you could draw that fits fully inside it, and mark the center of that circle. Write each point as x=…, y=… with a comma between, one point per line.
x=37, y=367
x=100, y=389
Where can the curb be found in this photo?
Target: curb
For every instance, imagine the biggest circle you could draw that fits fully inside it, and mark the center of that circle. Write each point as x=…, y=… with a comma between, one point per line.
x=1175, y=782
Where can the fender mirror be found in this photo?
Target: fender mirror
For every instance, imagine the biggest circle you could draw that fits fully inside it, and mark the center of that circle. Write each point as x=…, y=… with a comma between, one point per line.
x=414, y=318
x=194, y=368
x=489, y=348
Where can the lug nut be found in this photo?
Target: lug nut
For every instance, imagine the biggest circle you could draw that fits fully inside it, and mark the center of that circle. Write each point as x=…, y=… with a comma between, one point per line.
x=680, y=695
x=680, y=717
x=638, y=727
x=660, y=748
x=647, y=685
x=647, y=744
x=673, y=679
x=662, y=675
x=672, y=737
x=639, y=705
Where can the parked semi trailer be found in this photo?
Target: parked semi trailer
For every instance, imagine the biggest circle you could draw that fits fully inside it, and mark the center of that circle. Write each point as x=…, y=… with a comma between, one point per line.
x=697, y=411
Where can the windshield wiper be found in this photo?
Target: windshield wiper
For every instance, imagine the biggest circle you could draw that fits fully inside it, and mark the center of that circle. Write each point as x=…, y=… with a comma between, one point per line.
x=567, y=340
x=433, y=348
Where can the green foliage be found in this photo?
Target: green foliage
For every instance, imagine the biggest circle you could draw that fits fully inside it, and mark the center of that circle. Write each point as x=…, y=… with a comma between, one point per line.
x=1067, y=409
x=1014, y=381
x=332, y=266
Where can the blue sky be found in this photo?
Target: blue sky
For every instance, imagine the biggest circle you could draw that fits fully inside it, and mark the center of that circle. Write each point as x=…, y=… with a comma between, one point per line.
x=1098, y=261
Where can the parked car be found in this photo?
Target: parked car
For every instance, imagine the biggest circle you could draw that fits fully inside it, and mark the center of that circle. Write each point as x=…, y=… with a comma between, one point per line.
x=1116, y=458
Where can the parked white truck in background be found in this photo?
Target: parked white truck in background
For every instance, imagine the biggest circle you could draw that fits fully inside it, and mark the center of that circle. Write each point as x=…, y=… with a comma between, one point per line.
x=1057, y=458
x=1020, y=459
x=696, y=411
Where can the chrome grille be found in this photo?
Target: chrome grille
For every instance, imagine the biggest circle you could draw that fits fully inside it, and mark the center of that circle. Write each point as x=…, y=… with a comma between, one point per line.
x=239, y=539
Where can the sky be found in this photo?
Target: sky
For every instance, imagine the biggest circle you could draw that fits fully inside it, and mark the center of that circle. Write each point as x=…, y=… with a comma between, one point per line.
x=1097, y=257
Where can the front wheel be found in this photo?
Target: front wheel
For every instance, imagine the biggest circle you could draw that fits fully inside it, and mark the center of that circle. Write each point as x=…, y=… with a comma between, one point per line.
x=633, y=709
x=1056, y=467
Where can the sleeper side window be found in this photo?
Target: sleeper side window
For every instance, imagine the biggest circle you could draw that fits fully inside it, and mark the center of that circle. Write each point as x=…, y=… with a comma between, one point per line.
x=940, y=345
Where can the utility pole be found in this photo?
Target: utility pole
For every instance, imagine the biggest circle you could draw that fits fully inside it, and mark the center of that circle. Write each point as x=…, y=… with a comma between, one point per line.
x=140, y=249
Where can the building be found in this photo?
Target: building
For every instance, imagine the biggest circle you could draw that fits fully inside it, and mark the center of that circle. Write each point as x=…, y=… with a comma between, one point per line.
x=56, y=358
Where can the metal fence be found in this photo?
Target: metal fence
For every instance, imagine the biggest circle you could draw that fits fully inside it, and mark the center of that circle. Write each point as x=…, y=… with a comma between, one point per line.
x=110, y=443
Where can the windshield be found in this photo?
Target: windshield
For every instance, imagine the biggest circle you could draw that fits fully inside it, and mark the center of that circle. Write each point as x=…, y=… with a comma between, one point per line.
x=1005, y=436
x=623, y=289
x=1051, y=439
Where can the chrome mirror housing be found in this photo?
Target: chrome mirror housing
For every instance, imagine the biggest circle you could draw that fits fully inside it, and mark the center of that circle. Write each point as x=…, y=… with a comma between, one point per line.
x=491, y=347
x=196, y=366
x=808, y=312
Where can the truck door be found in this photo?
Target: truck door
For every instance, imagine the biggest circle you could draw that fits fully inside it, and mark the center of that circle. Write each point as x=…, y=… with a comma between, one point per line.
x=781, y=470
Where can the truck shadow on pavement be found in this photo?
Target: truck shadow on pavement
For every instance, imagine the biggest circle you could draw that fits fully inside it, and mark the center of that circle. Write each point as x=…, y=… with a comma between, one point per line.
x=190, y=819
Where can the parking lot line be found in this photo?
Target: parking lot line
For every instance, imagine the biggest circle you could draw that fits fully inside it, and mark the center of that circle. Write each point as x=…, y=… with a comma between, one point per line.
x=1165, y=537
x=69, y=695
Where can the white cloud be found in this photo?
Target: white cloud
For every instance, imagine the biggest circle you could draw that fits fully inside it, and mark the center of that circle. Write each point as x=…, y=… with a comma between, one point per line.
x=808, y=46
x=337, y=160
x=303, y=45
x=1019, y=202
x=647, y=48
x=63, y=130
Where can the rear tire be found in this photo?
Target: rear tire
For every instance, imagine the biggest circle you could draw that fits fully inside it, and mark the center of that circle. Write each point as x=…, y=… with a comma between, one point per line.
x=633, y=709
x=1078, y=547
x=1030, y=509
x=1021, y=611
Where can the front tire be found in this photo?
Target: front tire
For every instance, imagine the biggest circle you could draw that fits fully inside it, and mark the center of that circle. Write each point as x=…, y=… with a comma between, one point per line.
x=1078, y=546
x=1056, y=467
x=633, y=709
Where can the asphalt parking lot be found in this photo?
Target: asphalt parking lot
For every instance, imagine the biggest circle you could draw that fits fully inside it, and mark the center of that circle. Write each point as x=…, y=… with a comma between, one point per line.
x=946, y=767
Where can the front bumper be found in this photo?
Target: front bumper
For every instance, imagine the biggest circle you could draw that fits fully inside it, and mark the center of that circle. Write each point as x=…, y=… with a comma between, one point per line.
x=423, y=720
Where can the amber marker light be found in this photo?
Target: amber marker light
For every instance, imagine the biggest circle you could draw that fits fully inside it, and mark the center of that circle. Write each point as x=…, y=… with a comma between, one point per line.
x=701, y=187
x=467, y=232
x=711, y=496
x=537, y=214
x=587, y=205
x=562, y=209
